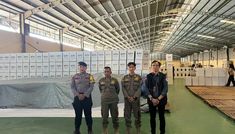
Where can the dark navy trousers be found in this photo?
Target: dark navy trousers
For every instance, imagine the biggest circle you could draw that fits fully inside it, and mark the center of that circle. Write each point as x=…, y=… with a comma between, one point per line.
x=80, y=106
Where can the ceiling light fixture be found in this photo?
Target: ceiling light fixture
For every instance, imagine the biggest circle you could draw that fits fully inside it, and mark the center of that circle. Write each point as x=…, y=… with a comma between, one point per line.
x=205, y=36
x=228, y=21
x=194, y=44
x=169, y=20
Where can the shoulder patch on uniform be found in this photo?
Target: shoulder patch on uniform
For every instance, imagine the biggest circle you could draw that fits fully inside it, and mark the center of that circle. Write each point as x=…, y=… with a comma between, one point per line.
x=92, y=80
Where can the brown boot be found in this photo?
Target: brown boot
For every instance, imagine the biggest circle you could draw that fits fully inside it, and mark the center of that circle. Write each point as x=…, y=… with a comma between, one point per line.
x=105, y=130
x=138, y=130
x=116, y=131
x=128, y=130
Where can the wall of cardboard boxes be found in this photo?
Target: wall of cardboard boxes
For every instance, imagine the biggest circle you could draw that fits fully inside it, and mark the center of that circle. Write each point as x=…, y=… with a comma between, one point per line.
x=180, y=72
x=208, y=77
x=64, y=64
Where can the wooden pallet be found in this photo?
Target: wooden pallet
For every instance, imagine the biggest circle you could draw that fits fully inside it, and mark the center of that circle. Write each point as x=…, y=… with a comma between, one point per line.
x=222, y=98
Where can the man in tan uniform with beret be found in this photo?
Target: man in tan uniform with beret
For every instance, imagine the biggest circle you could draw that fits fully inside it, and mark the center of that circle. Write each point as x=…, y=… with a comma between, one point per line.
x=109, y=89
x=131, y=87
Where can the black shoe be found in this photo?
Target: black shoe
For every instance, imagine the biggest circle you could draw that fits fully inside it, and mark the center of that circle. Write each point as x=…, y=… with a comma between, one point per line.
x=90, y=132
x=76, y=132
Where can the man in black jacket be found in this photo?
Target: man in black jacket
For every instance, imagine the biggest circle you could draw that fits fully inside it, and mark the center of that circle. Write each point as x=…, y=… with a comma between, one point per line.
x=156, y=90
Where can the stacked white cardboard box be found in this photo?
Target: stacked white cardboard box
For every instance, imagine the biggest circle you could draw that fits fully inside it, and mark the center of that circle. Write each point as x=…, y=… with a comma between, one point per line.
x=87, y=60
x=101, y=61
x=12, y=67
x=94, y=62
x=208, y=77
x=73, y=62
x=64, y=64
x=115, y=62
x=142, y=60
x=108, y=58
x=123, y=62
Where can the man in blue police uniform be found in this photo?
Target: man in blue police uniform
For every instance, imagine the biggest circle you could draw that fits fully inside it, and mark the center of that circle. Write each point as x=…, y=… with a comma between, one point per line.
x=82, y=85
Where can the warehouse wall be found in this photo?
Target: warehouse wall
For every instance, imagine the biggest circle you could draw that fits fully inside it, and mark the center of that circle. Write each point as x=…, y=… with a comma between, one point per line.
x=11, y=43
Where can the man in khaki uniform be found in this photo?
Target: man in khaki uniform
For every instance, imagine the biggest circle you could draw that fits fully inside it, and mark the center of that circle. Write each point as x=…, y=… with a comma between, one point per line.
x=131, y=84
x=109, y=89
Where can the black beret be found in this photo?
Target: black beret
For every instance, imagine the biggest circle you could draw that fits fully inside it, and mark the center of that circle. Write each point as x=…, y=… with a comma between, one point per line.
x=81, y=63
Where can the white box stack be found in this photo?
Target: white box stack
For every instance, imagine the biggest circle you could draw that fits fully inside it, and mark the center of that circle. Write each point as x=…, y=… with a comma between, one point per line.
x=39, y=67
x=72, y=56
x=52, y=56
x=73, y=67
x=59, y=56
x=26, y=75
x=46, y=67
x=19, y=75
x=12, y=67
x=32, y=57
x=80, y=56
x=32, y=74
x=66, y=56
x=19, y=68
x=73, y=62
x=122, y=63
x=201, y=80
x=215, y=72
x=215, y=81
x=188, y=81
x=19, y=58
x=59, y=67
x=101, y=59
x=1, y=59
x=200, y=72
x=45, y=58
x=52, y=66
x=94, y=67
x=108, y=63
x=45, y=75
x=115, y=66
x=39, y=57
x=208, y=81
x=26, y=67
x=87, y=59
x=115, y=61
x=66, y=74
x=100, y=66
x=222, y=76
x=12, y=58
x=25, y=57
x=39, y=74
x=195, y=81
x=5, y=58
x=58, y=74
x=115, y=56
x=94, y=63
x=222, y=81
x=32, y=67
x=12, y=76
x=66, y=66
x=130, y=56
x=52, y=74
x=108, y=55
